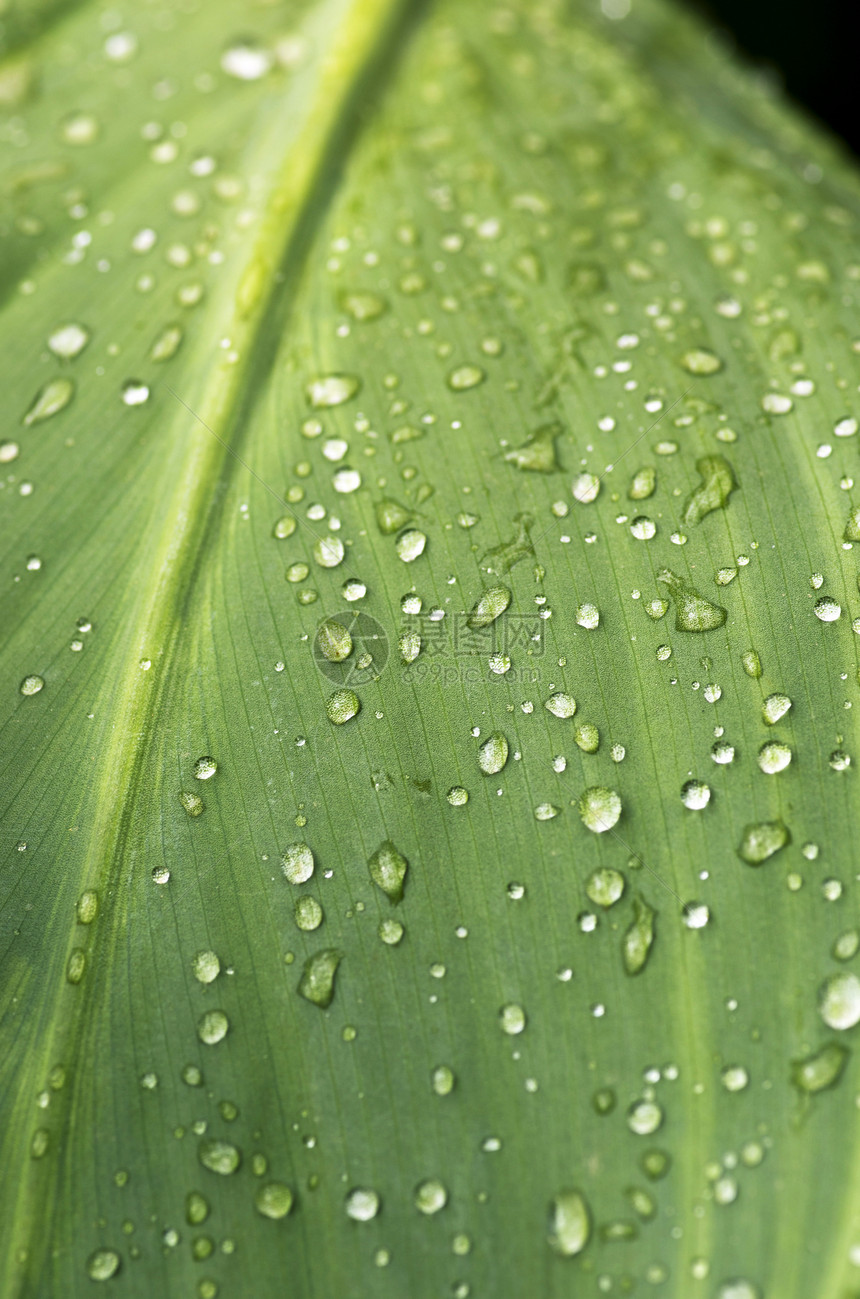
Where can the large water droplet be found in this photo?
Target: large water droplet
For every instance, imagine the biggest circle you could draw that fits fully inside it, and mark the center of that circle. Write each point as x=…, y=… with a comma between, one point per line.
x=274, y=1200
x=206, y=967
x=774, y=757
x=639, y=937
x=50, y=400
x=489, y=606
x=297, y=863
x=692, y=611
x=839, y=1000
x=318, y=976
x=561, y=704
x=103, y=1264
x=388, y=869
x=644, y=1117
x=718, y=482
x=600, y=808
x=605, y=886
x=213, y=1027
x=512, y=1019
x=493, y=754
x=331, y=390
x=334, y=642
x=69, y=341
x=761, y=840
x=774, y=708
x=430, y=1196
x=219, y=1156
x=699, y=361
x=538, y=454
x=822, y=1069
x=410, y=545
x=342, y=706
x=569, y=1223
x=362, y=1204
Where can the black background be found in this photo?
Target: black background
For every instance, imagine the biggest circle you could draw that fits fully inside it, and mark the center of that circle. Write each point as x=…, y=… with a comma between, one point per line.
x=811, y=46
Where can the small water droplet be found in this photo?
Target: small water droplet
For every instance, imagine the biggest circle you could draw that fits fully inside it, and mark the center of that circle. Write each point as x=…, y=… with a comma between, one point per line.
x=103, y=1264
x=342, y=706
x=205, y=768
x=388, y=868
x=839, y=1000
x=318, y=977
x=493, y=754
x=430, y=1196
x=600, y=808
x=273, y=1200
x=53, y=397
x=512, y=1019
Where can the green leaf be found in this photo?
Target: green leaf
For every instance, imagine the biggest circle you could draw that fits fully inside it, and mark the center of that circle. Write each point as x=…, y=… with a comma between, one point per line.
x=429, y=812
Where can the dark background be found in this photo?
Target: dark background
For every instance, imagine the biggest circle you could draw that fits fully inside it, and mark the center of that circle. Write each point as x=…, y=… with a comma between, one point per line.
x=810, y=45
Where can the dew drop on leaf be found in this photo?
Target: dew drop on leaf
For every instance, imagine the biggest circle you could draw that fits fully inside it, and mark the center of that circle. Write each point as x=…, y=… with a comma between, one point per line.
x=391, y=932
x=512, y=1019
x=822, y=1069
x=410, y=545
x=297, y=863
x=388, y=869
x=342, y=706
x=718, y=482
x=219, y=1156
x=699, y=361
x=205, y=967
x=50, y=400
x=538, y=454
x=644, y=1117
x=605, y=886
x=773, y=757
x=318, y=977
x=213, y=1027
x=205, y=768
x=31, y=685
x=561, y=704
x=334, y=641
x=695, y=795
x=362, y=1204
x=465, y=377
x=569, y=1223
x=103, y=1264
x=639, y=937
x=761, y=839
x=489, y=606
x=331, y=390
x=69, y=341
x=599, y=808
x=308, y=914
x=329, y=552
x=839, y=1000
x=430, y=1196
x=192, y=803
x=273, y=1200
x=692, y=611
x=493, y=754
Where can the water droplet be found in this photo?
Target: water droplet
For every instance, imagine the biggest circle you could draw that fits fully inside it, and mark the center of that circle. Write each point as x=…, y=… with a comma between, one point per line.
x=588, y=616
x=724, y=576
x=692, y=611
x=331, y=390
x=561, y=704
x=205, y=768
x=213, y=1027
x=363, y=306
x=493, y=754
x=318, y=977
x=656, y=609
x=87, y=907
x=734, y=1077
x=822, y=1069
x=457, y=796
x=501, y=559
x=410, y=545
x=643, y=483
x=50, y=400
x=846, y=945
x=761, y=840
x=31, y=685
x=409, y=645
x=161, y=875
x=362, y=1204
x=538, y=454
x=388, y=869
x=334, y=642
x=776, y=403
x=167, y=344
x=827, y=609
x=391, y=932
x=852, y=526
x=600, y=808
x=605, y=886
x=512, y=1019
x=342, y=706
x=569, y=1223
x=206, y=967
x=774, y=757
x=103, y=1264
x=134, y=393
x=775, y=708
x=839, y=1000
x=442, y=1080
x=587, y=737
x=644, y=1117
x=639, y=937
x=695, y=795
x=430, y=1196
x=297, y=863
x=699, y=361
x=839, y=760
x=69, y=341
x=273, y=1200
x=718, y=483
x=196, y=1208
x=329, y=552
x=846, y=428
x=695, y=915
x=490, y=605
x=219, y=1156
x=546, y=812
x=643, y=528
x=77, y=964
x=308, y=914
x=391, y=516
x=585, y=488
x=192, y=802
x=723, y=752
x=285, y=527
